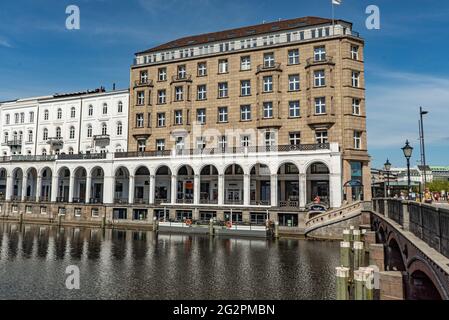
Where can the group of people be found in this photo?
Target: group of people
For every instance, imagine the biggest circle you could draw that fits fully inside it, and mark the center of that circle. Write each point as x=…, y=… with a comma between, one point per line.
x=427, y=197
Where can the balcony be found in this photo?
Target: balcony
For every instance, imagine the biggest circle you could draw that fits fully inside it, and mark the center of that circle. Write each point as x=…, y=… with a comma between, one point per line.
x=120, y=201
x=326, y=120
x=186, y=78
x=55, y=143
x=276, y=66
x=143, y=83
x=289, y=204
x=326, y=60
x=13, y=143
x=82, y=156
x=102, y=140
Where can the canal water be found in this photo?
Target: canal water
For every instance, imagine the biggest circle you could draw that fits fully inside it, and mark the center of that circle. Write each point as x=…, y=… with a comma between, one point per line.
x=142, y=265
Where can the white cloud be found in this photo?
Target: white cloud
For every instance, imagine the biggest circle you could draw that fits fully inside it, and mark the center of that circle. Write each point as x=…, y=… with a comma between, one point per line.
x=5, y=43
x=393, y=102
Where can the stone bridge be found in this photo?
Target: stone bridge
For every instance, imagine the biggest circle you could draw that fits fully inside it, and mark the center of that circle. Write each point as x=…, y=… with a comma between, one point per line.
x=415, y=239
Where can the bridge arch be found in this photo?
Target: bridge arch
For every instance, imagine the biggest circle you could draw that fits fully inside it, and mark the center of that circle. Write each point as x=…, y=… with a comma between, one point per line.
x=423, y=283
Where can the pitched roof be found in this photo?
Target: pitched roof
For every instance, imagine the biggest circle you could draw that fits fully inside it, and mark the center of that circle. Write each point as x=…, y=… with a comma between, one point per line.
x=240, y=32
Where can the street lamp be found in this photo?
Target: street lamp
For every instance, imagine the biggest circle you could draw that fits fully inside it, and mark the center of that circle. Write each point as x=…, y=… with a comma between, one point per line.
x=422, y=145
x=408, y=150
x=387, y=167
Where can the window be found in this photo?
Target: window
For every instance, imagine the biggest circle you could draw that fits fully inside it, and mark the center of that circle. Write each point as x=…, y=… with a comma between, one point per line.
x=319, y=78
x=356, y=107
x=104, y=129
x=321, y=136
x=105, y=108
x=270, y=138
x=182, y=72
x=293, y=109
x=119, y=128
x=161, y=96
x=245, y=63
x=355, y=79
x=245, y=140
x=354, y=52
x=293, y=56
x=162, y=74
x=90, y=111
x=179, y=143
x=44, y=152
x=357, y=140
x=139, y=120
x=245, y=86
x=293, y=82
x=59, y=114
x=141, y=145
x=160, y=144
x=58, y=133
x=8, y=119
x=223, y=90
x=140, y=98
x=72, y=132
x=202, y=69
x=320, y=105
x=179, y=93
x=202, y=92
x=143, y=77
x=223, y=114
x=268, y=110
x=89, y=131
x=178, y=117
x=222, y=142
x=72, y=112
x=22, y=117
x=6, y=136
x=120, y=107
x=295, y=138
x=245, y=113
x=30, y=136
x=223, y=66
x=320, y=53
x=268, y=60
x=31, y=116
x=16, y=118
x=70, y=150
x=268, y=84
x=161, y=119
x=201, y=116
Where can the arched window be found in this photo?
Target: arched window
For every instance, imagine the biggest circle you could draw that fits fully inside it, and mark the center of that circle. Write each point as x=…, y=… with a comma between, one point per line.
x=105, y=108
x=30, y=135
x=118, y=148
x=14, y=135
x=58, y=133
x=104, y=129
x=89, y=131
x=59, y=113
x=91, y=110
x=46, y=115
x=72, y=112
x=72, y=132
x=45, y=135
x=120, y=107
x=70, y=150
x=44, y=152
x=119, y=128
x=6, y=137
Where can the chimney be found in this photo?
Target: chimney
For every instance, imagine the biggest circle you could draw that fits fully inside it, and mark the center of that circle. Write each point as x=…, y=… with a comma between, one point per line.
x=113, y=86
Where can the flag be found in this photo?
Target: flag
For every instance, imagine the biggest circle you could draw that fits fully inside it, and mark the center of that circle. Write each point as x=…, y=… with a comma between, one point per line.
x=337, y=2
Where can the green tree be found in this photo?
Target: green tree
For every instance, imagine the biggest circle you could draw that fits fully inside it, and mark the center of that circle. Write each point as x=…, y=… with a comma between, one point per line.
x=437, y=186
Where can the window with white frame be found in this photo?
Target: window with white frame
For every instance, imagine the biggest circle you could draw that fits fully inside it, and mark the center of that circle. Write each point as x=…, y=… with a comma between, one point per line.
x=8, y=119
x=72, y=132
x=320, y=105
x=293, y=109
x=105, y=108
x=355, y=77
x=357, y=140
x=161, y=119
x=294, y=138
x=162, y=74
x=268, y=60
x=223, y=90
x=141, y=145
x=222, y=142
x=90, y=111
x=144, y=77
x=179, y=143
x=245, y=63
x=245, y=113
x=139, y=120
x=162, y=96
x=268, y=110
x=46, y=115
x=160, y=144
x=178, y=117
x=223, y=66
x=293, y=82
x=245, y=86
x=58, y=133
x=6, y=137
x=30, y=136
x=200, y=143
x=16, y=118
x=119, y=128
x=268, y=84
x=72, y=112
x=319, y=78
x=120, y=107
x=179, y=93
x=355, y=52
x=140, y=98
x=320, y=53
x=321, y=136
x=202, y=92
x=201, y=116
x=293, y=56
x=270, y=138
x=31, y=116
x=245, y=140
x=22, y=117
x=59, y=113
x=182, y=72
x=223, y=114
x=356, y=107
x=104, y=129
x=202, y=69
x=89, y=131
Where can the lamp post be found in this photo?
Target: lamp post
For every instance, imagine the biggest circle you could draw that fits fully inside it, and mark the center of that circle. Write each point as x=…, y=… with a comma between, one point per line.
x=421, y=140
x=408, y=150
x=387, y=167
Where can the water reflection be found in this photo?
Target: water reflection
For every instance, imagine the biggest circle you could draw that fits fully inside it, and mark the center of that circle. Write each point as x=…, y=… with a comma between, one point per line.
x=117, y=264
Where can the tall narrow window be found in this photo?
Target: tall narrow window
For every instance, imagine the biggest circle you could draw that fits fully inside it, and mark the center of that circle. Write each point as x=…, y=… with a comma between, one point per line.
x=104, y=129
x=320, y=105
x=89, y=131
x=120, y=107
x=162, y=96
x=179, y=93
x=162, y=74
x=357, y=140
x=268, y=84
x=268, y=110
x=356, y=107
x=223, y=114
x=202, y=92
x=105, y=108
x=119, y=128
x=58, y=133
x=143, y=77
x=72, y=132
x=30, y=136
x=90, y=111
x=319, y=78
x=223, y=66
x=245, y=86
x=161, y=119
x=59, y=113
x=245, y=113
x=45, y=134
x=140, y=98
x=268, y=60
x=293, y=82
x=355, y=52
x=293, y=56
x=182, y=72
x=139, y=120
x=320, y=53
x=201, y=116
x=160, y=144
x=8, y=119
x=202, y=69
x=293, y=109
x=22, y=117
x=178, y=117
x=72, y=112
x=355, y=79
x=223, y=90
x=31, y=116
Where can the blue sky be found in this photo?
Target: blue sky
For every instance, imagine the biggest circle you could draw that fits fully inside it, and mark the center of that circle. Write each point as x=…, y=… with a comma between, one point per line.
x=406, y=61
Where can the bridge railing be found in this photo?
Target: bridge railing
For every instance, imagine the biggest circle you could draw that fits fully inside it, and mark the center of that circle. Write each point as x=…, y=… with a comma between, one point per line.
x=427, y=222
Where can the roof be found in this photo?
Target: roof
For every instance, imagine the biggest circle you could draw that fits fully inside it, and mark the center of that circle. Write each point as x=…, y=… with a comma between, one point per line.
x=240, y=32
